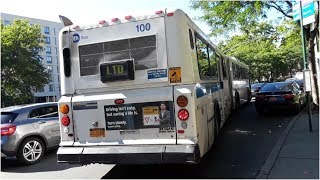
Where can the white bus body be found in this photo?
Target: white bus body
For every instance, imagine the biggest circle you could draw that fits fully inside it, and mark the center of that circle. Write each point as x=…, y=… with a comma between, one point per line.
x=117, y=77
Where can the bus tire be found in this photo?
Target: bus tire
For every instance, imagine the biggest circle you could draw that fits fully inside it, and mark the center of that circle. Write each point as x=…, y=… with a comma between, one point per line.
x=217, y=121
x=249, y=96
x=237, y=101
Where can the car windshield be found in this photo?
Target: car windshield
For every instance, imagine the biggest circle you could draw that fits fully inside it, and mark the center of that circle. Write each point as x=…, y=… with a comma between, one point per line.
x=8, y=117
x=276, y=87
x=257, y=85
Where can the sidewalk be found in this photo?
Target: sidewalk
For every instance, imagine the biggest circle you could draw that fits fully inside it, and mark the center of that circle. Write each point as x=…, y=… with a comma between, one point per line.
x=296, y=154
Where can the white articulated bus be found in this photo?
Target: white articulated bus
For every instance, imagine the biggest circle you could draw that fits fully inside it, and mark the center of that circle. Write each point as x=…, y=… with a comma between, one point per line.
x=142, y=90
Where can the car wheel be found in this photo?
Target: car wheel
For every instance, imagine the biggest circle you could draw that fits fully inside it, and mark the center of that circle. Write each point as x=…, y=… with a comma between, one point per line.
x=31, y=151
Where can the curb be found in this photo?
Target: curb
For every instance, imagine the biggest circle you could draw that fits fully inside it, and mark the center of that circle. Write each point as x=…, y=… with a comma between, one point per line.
x=267, y=166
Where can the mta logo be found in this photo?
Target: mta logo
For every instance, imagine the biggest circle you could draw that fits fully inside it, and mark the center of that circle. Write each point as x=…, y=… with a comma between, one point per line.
x=76, y=38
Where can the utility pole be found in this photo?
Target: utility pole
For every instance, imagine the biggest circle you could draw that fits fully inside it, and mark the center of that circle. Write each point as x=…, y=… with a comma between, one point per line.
x=306, y=66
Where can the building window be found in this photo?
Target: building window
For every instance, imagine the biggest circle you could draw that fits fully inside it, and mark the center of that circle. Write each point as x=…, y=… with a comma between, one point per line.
x=54, y=31
x=55, y=41
x=48, y=40
x=48, y=50
x=49, y=67
x=40, y=89
x=46, y=30
x=49, y=59
x=6, y=22
x=50, y=78
x=56, y=51
x=50, y=87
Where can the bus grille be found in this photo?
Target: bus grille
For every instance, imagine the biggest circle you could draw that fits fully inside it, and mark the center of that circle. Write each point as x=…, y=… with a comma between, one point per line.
x=141, y=49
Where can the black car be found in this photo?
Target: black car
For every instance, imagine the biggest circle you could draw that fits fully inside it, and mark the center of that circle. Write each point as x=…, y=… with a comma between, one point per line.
x=280, y=95
x=255, y=88
x=300, y=82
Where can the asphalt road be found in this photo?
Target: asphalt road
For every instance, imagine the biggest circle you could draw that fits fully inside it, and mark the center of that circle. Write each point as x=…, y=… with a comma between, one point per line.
x=239, y=152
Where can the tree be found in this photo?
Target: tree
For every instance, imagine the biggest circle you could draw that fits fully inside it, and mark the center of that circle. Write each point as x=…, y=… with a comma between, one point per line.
x=21, y=70
x=226, y=16
x=265, y=50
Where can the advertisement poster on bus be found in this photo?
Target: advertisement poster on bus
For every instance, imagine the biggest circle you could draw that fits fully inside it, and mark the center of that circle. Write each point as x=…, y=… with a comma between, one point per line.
x=140, y=116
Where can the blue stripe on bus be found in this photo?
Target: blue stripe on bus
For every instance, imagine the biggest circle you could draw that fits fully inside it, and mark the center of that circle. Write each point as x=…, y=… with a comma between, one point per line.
x=207, y=88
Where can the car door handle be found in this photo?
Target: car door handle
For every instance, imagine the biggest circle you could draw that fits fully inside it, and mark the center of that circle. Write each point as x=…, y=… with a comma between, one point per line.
x=41, y=122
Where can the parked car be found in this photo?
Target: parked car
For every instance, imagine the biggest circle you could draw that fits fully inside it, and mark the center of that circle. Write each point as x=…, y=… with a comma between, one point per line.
x=255, y=88
x=27, y=131
x=300, y=82
x=280, y=95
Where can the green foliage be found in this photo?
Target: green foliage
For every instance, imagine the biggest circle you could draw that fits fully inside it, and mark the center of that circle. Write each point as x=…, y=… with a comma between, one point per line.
x=271, y=52
x=21, y=70
x=226, y=16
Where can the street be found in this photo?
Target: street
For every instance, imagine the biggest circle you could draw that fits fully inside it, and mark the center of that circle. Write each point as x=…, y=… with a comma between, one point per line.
x=240, y=151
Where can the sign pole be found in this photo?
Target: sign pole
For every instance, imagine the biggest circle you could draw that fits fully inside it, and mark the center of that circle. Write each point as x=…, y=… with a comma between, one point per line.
x=306, y=66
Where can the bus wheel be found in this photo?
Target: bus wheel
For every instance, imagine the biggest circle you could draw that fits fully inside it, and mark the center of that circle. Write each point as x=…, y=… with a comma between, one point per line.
x=249, y=96
x=237, y=103
x=217, y=118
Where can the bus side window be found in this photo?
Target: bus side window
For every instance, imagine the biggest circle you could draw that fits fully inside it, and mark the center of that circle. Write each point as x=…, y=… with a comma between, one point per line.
x=191, y=39
x=214, y=63
x=203, y=59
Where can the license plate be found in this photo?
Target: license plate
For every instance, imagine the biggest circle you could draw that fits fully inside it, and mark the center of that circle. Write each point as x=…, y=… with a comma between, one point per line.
x=273, y=99
x=97, y=132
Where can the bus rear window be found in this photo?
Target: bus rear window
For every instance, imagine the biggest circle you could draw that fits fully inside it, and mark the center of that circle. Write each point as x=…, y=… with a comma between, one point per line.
x=142, y=50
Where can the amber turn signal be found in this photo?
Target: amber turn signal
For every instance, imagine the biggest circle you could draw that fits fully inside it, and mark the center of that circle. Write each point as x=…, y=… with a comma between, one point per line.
x=64, y=108
x=182, y=101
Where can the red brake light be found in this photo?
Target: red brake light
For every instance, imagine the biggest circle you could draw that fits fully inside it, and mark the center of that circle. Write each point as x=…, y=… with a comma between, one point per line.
x=65, y=120
x=119, y=101
x=288, y=96
x=183, y=114
x=8, y=130
x=114, y=19
x=170, y=14
x=128, y=17
x=259, y=97
x=159, y=12
x=180, y=131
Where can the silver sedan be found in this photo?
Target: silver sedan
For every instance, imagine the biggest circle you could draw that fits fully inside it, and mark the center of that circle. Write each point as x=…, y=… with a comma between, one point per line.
x=27, y=131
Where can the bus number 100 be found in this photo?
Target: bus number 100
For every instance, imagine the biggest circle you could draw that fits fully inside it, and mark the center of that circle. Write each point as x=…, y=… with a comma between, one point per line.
x=143, y=27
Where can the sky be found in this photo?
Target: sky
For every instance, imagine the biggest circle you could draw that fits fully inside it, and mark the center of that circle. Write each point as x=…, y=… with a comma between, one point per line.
x=83, y=12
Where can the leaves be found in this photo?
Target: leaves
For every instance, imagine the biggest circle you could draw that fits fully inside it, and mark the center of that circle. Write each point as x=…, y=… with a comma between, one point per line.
x=21, y=70
x=270, y=53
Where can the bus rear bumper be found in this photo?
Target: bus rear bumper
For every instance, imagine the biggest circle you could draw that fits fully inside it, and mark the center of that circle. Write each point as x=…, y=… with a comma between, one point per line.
x=133, y=154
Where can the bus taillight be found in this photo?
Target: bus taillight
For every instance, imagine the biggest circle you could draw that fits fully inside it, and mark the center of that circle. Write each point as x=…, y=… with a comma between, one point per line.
x=64, y=108
x=115, y=19
x=159, y=12
x=128, y=17
x=182, y=101
x=183, y=114
x=170, y=14
x=65, y=120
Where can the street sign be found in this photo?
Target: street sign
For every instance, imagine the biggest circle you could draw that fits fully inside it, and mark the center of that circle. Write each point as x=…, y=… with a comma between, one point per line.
x=307, y=81
x=307, y=11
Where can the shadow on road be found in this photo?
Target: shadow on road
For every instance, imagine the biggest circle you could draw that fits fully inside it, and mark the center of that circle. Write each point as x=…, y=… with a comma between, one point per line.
x=48, y=163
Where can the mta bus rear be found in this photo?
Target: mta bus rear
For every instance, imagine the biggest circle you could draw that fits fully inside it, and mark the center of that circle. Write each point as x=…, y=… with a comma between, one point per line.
x=123, y=96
